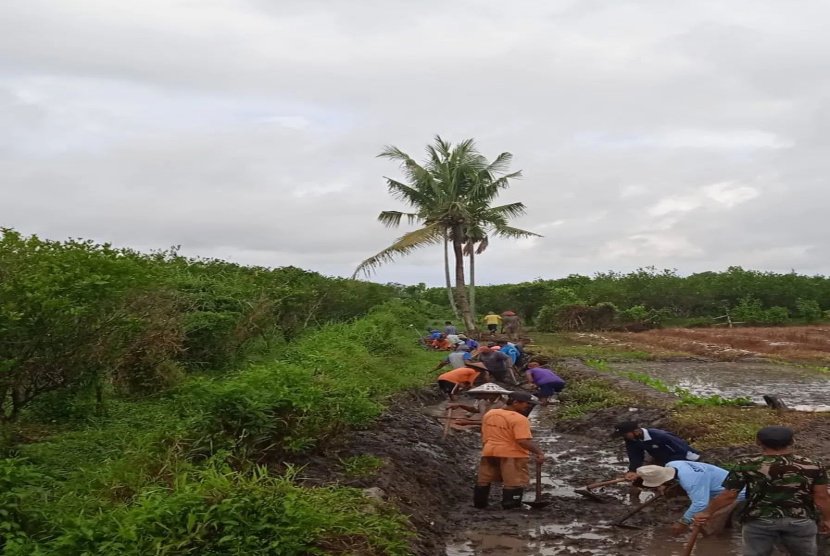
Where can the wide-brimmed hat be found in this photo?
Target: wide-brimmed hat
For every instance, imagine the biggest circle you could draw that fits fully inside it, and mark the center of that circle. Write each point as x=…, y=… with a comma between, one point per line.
x=476, y=365
x=488, y=388
x=655, y=475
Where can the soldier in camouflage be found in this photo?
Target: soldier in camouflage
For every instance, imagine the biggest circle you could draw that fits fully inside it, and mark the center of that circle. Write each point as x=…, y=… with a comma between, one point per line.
x=786, y=497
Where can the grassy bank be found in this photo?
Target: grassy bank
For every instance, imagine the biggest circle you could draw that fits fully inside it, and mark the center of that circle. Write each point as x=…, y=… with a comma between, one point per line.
x=206, y=468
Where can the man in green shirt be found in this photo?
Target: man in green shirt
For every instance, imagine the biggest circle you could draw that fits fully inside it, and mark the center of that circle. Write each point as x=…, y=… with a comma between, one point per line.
x=786, y=496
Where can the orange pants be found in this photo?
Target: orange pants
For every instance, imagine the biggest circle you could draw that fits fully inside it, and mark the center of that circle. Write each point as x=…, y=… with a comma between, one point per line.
x=511, y=472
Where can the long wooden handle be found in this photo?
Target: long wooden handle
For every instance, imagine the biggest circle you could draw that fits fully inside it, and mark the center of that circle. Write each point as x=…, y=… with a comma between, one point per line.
x=538, y=481
x=605, y=483
x=638, y=508
x=448, y=422
x=690, y=544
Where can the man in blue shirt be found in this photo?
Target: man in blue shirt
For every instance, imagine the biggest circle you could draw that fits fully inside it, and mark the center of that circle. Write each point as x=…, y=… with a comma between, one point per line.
x=455, y=359
x=701, y=481
x=662, y=446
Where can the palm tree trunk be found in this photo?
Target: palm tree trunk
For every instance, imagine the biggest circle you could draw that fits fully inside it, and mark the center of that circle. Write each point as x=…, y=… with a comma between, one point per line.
x=460, y=286
x=450, y=294
x=472, y=293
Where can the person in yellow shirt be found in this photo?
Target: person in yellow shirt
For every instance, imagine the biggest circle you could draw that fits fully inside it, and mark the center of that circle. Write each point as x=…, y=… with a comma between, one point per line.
x=506, y=445
x=492, y=320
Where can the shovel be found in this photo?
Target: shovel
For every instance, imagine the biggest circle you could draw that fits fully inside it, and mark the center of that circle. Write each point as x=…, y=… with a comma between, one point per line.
x=538, y=503
x=690, y=544
x=447, y=423
x=587, y=490
x=619, y=522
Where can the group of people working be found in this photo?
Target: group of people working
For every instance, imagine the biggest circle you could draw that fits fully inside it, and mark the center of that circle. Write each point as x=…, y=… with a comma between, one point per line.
x=783, y=497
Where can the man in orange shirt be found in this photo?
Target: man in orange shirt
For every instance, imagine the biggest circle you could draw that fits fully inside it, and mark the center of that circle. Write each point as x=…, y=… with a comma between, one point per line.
x=452, y=381
x=506, y=439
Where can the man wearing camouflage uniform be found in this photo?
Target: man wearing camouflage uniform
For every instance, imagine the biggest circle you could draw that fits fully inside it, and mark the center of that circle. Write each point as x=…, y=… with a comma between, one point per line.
x=786, y=497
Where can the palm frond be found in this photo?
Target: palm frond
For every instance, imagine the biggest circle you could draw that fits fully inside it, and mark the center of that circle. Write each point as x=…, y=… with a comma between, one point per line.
x=514, y=233
x=510, y=210
x=392, y=218
x=482, y=245
x=501, y=164
x=428, y=235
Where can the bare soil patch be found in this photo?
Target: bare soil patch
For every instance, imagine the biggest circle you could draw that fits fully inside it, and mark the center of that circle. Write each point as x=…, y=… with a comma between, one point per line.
x=795, y=343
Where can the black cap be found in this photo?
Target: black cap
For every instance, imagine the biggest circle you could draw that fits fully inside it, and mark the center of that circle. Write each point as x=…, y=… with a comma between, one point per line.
x=775, y=437
x=624, y=427
x=523, y=397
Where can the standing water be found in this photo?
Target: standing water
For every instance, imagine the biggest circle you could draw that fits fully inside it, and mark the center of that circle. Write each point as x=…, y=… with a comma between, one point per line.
x=799, y=387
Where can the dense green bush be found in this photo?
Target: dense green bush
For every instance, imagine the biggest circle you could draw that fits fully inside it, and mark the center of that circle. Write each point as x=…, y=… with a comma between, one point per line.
x=809, y=310
x=78, y=317
x=751, y=311
x=182, y=473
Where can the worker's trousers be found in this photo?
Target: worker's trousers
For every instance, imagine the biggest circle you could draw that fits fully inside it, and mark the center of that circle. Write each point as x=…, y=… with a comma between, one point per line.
x=798, y=536
x=511, y=472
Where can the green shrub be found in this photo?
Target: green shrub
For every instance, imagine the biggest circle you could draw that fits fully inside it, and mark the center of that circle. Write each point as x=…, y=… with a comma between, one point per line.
x=809, y=310
x=222, y=512
x=76, y=316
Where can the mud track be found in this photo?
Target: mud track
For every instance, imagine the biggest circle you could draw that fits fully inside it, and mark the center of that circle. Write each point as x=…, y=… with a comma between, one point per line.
x=430, y=480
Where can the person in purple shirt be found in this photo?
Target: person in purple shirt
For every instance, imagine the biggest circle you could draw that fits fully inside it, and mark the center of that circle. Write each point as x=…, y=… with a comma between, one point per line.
x=548, y=382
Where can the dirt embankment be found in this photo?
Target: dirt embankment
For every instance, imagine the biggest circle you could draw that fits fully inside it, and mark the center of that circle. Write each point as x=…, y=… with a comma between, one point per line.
x=423, y=475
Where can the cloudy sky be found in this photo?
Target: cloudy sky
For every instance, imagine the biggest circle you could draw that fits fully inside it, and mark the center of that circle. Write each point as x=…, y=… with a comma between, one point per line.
x=688, y=135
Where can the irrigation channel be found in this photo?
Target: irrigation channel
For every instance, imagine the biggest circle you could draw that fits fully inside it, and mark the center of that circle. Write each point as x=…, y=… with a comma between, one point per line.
x=572, y=524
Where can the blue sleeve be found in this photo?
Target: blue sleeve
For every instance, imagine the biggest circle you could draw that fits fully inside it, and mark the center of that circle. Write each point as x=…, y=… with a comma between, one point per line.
x=675, y=444
x=466, y=356
x=699, y=495
x=636, y=454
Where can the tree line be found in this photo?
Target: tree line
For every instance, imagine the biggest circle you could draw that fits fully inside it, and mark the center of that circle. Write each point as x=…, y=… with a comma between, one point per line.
x=649, y=294
x=78, y=318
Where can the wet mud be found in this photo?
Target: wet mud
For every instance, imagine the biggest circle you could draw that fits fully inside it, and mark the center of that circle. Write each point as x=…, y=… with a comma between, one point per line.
x=430, y=479
x=572, y=524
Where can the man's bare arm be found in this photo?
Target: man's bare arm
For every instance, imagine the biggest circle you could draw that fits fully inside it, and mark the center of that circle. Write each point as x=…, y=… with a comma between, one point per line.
x=722, y=500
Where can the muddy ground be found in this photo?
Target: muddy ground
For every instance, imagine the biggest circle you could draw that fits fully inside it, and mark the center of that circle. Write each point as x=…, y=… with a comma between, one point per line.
x=430, y=479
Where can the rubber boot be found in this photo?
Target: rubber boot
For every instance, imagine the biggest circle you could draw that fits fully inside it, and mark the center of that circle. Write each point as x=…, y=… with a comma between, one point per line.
x=481, y=496
x=511, y=498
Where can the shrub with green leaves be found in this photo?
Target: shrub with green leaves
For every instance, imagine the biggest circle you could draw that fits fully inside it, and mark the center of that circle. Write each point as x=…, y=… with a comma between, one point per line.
x=809, y=310
x=218, y=511
x=181, y=473
x=79, y=317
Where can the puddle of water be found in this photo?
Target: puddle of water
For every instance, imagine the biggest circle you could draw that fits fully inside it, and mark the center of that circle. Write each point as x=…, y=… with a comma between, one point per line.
x=796, y=386
x=569, y=539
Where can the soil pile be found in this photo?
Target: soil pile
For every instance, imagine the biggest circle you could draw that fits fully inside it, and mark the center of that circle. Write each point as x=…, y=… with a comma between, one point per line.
x=422, y=474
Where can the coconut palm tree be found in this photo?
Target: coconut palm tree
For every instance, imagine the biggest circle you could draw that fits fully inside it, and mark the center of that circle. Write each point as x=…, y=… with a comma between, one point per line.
x=450, y=195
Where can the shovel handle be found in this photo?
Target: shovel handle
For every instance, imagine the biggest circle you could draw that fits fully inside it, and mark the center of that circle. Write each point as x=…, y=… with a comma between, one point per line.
x=538, y=481
x=447, y=423
x=690, y=544
x=605, y=483
x=649, y=502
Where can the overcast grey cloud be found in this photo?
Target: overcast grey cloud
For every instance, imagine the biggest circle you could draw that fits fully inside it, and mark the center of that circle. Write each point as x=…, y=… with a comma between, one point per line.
x=688, y=135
